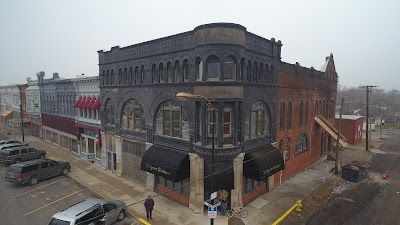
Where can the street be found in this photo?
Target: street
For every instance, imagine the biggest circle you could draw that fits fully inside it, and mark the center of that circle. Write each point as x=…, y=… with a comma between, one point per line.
x=375, y=200
x=24, y=204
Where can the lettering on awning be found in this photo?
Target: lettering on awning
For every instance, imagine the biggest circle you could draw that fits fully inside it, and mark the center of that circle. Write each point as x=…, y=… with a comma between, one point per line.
x=157, y=169
x=267, y=171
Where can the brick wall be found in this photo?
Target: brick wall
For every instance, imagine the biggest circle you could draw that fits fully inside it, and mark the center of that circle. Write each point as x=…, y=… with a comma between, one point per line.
x=247, y=198
x=182, y=199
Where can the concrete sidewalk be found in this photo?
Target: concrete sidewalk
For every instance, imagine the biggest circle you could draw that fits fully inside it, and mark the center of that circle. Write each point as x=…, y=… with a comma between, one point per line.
x=264, y=210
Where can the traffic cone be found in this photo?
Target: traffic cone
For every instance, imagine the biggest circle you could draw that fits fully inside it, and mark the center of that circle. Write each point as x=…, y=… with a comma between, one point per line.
x=385, y=176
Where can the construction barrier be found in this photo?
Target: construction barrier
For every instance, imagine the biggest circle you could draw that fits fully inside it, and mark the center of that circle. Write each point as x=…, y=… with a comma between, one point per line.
x=296, y=206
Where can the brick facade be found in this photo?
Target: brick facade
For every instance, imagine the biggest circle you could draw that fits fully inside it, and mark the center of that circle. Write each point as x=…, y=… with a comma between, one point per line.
x=182, y=199
x=351, y=127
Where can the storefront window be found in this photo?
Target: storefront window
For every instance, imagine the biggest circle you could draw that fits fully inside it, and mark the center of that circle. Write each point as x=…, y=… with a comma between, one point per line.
x=250, y=184
x=181, y=187
x=74, y=145
x=98, y=151
x=55, y=138
x=83, y=145
x=90, y=146
x=66, y=143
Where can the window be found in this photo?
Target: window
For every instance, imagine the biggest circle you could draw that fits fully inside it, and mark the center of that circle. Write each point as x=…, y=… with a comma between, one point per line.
x=212, y=68
x=257, y=121
x=282, y=116
x=153, y=74
x=289, y=115
x=230, y=68
x=199, y=69
x=176, y=74
x=142, y=74
x=120, y=78
x=169, y=73
x=161, y=73
x=287, y=150
x=136, y=76
x=316, y=108
x=248, y=71
x=301, y=114
x=24, y=151
x=181, y=187
x=185, y=71
x=132, y=115
x=302, y=144
x=281, y=147
x=249, y=184
x=227, y=122
x=44, y=165
x=306, y=113
x=172, y=121
x=53, y=164
x=109, y=112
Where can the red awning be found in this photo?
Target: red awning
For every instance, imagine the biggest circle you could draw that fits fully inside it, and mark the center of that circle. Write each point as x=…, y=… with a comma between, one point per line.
x=89, y=106
x=96, y=104
x=78, y=102
x=83, y=101
x=87, y=102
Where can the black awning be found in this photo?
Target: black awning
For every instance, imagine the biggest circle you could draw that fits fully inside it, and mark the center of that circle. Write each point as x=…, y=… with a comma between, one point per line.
x=262, y=163
x=166, y=162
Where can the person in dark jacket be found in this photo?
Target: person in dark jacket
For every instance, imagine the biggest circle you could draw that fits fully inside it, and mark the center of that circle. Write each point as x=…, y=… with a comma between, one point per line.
x=148, y=205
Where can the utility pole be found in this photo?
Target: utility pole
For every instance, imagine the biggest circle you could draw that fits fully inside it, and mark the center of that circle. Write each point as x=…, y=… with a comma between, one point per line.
x=367, y=124
x=337, y=141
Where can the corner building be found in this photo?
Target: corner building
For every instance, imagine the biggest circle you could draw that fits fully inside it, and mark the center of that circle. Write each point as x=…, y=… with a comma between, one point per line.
x=165, y=144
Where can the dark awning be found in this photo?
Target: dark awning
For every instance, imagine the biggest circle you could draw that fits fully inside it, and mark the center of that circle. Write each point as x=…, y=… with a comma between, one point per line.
x=166, y=162
x=262, y=162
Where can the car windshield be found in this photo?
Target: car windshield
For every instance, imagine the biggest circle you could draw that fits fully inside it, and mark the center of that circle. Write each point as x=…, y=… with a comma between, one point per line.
x=55, y=221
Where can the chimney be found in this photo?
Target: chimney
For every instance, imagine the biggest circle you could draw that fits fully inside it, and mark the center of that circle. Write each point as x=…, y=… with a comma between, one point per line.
x=40, y=76
x=56, y=76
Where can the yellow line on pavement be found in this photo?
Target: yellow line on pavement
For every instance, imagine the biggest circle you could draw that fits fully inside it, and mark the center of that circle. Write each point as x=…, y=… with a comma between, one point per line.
x=52, y=202
x=39, y=187
x=144, y=221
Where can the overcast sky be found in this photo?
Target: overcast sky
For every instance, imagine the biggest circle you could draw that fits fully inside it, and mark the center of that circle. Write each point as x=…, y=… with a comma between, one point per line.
x=64, y=36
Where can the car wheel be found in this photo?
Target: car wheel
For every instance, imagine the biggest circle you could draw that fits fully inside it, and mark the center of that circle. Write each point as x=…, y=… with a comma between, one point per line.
x=33, y=180
x=41, y=156
x=65, y=171
x=121, y=215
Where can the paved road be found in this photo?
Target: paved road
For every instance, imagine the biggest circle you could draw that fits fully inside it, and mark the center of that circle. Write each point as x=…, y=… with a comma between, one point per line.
x=35, y=205
x=375, y=201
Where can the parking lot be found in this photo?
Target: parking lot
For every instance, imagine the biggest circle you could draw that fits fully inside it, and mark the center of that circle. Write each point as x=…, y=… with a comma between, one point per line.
x=24, y=204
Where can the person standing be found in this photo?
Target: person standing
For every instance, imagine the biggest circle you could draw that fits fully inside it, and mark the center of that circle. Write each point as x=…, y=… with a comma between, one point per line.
x=148, y=205
x=224, y=206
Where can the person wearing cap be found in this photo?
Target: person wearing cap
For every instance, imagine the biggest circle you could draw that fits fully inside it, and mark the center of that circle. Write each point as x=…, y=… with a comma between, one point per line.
x=148, y=205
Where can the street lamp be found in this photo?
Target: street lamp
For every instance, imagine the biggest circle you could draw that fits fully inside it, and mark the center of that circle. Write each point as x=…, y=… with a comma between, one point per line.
x=185, y=96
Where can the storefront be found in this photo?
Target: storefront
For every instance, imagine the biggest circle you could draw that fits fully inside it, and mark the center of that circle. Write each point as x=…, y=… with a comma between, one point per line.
x=90, y=143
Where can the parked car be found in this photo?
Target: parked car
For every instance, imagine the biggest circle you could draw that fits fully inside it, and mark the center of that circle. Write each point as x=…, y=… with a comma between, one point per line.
x=10, y=141
x=33, y=171
x=90, y=211
x=4, y=146
x=19, y=154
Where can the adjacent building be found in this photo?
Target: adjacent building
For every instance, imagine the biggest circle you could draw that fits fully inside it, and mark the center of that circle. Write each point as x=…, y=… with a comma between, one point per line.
x=351, y=127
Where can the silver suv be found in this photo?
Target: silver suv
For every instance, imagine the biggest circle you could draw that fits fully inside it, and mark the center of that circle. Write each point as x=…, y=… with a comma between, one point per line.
x=90, y=211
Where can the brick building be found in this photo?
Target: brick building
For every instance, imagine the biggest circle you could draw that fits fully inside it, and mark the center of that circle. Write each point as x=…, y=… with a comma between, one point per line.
x=351, y=127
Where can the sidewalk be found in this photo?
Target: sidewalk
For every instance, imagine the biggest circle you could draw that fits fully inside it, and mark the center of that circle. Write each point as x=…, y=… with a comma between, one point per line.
x=264, y=210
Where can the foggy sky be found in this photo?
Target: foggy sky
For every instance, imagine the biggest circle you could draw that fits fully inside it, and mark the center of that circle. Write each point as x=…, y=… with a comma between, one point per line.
x=64, y=36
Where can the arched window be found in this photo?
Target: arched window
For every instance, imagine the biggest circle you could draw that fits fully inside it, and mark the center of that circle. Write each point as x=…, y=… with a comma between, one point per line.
x=199, y=69
x=255, y=72
x=212, y=68
x=137, y=78
x=131, y=77
x=306, y=113
x=248, y=72
x=185, y=71
x=289, y=115
x=302, y=144
x=177, y=73
x=301, y=113
x=132, y=116
x=242, y=66
x=287, y=150
x=316, y=108
x=161, y=73
x=153, y=73
x=142, y=74
x=125, y=76
x=109, y=111
x=120, y=78
x=169, y=73
x=257, y=120
x=333, y=109
x=282, y=116
x=230, y=68
x=112, y=77
x=103, y=79
x=266, y=74
x=108, y=78
x=261, y=74
x=171, y=120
